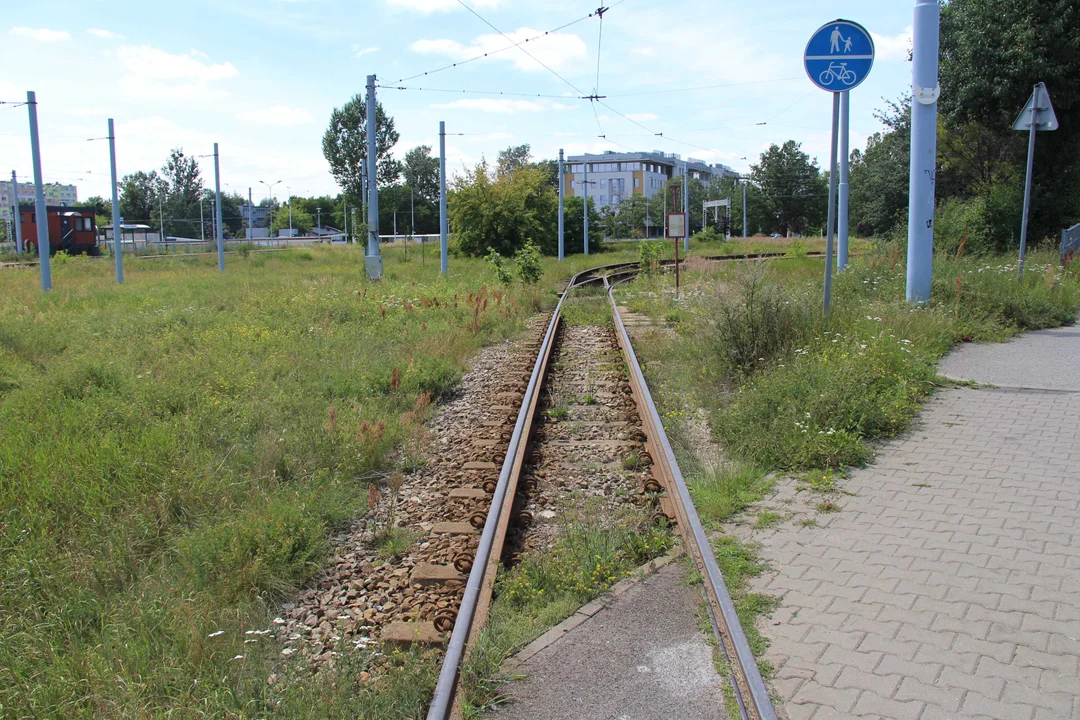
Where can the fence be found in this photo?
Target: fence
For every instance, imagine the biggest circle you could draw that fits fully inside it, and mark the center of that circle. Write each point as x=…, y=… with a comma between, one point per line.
x=1070, y=241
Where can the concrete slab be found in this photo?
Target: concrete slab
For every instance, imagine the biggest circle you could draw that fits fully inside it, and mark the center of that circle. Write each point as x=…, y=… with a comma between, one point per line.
x=1043, y=360
x=640, y=657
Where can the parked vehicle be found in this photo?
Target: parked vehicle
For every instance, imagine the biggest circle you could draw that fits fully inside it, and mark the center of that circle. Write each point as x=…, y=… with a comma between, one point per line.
x=71, y=229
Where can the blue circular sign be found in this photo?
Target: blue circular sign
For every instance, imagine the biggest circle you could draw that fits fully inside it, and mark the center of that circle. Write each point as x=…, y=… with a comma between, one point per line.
x=839, y=55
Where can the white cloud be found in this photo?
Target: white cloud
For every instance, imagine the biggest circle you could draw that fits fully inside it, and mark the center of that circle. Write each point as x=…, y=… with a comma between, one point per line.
x=642, y=117
x=894, y=47
x=41, y=34
x=645, y=51
x=153, y=74
x=556, y=50
x=105, y=34
x=429, y=6
x=492, y=105
x=277, y=115
x=362, y=51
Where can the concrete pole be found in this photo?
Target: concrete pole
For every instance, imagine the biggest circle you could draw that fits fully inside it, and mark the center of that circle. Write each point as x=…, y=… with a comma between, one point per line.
x=925, y=91
x=161, y=217
x=686, y=209
x=1036, y=103
x=41, y=215
x=290, y=211
x=202, y=221
x=412, y=213
x=832, y=201
x=373, y=168
x=842, y=188
x=345, y=214
x=443, y=247
x=117, y=252
x=251, y=217
x=585, y=194
x=18, y=218
x=562, y=193
x=744, y=207
x=219, y=230
x=318, y=222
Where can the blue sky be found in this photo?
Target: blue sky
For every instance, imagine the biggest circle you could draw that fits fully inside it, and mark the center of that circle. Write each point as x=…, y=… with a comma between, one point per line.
x=261, y=77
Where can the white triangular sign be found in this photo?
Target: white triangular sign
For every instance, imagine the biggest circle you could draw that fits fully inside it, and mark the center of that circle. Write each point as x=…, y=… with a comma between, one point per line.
x=1045, y=119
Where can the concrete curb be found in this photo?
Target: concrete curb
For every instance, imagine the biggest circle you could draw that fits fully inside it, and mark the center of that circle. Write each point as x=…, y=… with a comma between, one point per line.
x=590, y=609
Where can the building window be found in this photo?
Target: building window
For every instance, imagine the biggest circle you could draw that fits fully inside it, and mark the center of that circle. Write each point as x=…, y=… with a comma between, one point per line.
x=637, y=183
x=603, y=200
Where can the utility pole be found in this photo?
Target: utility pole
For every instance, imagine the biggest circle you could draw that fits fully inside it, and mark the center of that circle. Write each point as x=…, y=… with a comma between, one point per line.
x=318, y=221
x=117, y=254
x=845, y=167
x=648, y=231
x=18, y=217
x=41, y=215
x=289, y=190
x=374, y=257
x=219, y=230
x=925, y=91
x=345, y=214
x=202, y=222
x=442, y=199
x=251, y=217
x=585, y=194
x=412, y=213
x=686, y=208
x=745, y=181
x=161, y=216
x=562, y=191
x=270, y=204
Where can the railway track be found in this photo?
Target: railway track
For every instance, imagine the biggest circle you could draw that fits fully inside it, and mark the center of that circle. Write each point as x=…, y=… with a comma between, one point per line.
x=624, y=423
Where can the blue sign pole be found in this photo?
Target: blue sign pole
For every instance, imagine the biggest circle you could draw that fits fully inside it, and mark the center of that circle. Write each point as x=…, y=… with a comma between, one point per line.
x=837, y=58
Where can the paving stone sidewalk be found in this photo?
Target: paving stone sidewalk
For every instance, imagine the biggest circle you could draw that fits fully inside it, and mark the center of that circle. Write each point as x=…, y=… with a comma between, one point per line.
x=948, y=586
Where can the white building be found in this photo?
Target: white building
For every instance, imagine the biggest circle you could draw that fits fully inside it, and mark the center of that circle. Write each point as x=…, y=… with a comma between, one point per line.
x=613, y=176
x=55, y=195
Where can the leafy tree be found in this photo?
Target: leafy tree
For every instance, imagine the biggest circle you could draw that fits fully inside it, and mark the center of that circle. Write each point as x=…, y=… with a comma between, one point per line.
x=421, y=172
x=794, y=189
x=302, y=221
x=879, y=175
x=139, y=193
x=513, y=159
x=574, y=227
x=502, y=213
x=992, y=53
x=345, y=145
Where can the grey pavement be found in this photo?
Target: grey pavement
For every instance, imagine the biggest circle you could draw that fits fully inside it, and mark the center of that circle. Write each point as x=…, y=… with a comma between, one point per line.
x=1047, y=359
x=948, y=585
x=642, y=657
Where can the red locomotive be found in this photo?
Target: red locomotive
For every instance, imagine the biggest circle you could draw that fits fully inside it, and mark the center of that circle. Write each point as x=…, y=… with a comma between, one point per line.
x=71, y=229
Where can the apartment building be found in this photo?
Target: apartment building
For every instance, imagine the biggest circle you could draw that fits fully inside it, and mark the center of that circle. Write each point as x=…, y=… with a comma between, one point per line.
x=55, y=194
x=613, y=176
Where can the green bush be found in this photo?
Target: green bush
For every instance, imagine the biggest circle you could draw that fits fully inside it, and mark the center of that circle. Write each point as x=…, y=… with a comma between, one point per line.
x=650, y=252
x=708, y=235
x=498, y=263
x=528, y=264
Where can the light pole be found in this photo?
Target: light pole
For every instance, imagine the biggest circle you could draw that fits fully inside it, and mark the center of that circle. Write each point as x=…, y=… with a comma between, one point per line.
x=270, y=205
x=318, y=221
x=289, y=189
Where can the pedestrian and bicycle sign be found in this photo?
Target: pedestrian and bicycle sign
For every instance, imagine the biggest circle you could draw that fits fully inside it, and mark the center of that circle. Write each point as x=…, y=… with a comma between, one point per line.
x=839, y=56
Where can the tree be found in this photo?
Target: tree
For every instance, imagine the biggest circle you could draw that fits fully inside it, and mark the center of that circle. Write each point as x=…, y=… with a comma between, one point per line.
x=794, y=189
x=139, y=194
x=345, y=145
x=182, y=186
x=421, y=172
x=879, y=175
x=513, y=159
x=992, y=53
x=302, y=221
x=574, y=226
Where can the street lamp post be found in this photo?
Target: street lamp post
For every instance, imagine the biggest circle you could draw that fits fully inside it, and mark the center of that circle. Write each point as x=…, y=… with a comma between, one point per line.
x=270, y=205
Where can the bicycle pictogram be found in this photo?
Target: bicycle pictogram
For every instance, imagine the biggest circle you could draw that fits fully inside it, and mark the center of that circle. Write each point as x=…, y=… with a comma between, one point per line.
x=837, y=71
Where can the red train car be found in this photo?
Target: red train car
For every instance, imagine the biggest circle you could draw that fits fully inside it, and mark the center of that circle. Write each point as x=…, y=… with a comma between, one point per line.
x=71, y=229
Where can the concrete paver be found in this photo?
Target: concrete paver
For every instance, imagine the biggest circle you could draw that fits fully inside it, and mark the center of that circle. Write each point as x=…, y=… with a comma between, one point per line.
x=948, y=586
x=641, y=657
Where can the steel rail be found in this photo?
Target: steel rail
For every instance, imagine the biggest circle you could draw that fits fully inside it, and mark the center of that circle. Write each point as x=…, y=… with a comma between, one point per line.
x=726, y=619
x=442, y=701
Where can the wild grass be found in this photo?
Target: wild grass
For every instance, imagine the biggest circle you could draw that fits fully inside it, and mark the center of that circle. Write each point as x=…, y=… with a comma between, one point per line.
x=177, y=451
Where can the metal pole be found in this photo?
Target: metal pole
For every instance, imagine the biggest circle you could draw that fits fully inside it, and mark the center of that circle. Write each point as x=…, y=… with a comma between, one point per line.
x=345, y=214
x=395, y=225
x=585, y=194
x=412, y=213
x=373, y=174
x=161, y=216
x=744, y=207
x=202, y=222
x=318, y=222
x=18, y=217
x=445, y=267
x=1036, y=103
x=832, y=200
x=41, y=214
x=118, y=255
x=842, y=188
x=562, y=193
x=925, y=90
x=686, y=209
x=251, y=218
x=219, y=230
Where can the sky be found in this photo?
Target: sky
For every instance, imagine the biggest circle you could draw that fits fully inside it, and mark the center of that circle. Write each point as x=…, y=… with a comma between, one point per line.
x=721, y=80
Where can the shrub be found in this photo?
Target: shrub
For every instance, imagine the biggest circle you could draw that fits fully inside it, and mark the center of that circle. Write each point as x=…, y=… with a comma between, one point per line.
x=650, y=252
x=708, y=235
x=528, y=264
x=498, y=264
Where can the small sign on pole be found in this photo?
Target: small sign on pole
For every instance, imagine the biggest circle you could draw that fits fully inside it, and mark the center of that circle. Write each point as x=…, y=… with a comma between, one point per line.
x=676, y=224
x=1037, y=116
